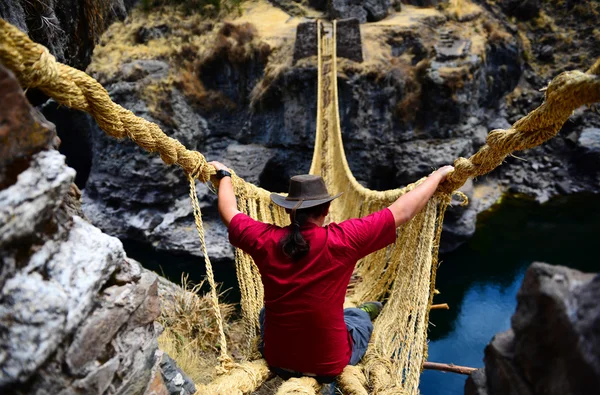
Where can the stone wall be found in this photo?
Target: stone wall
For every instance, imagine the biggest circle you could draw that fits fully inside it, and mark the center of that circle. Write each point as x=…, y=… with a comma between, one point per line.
x=348, y=40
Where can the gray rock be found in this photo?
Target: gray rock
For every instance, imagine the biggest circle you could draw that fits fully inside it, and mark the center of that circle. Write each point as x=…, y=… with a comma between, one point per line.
x=460, y=221
x=35, y=197
x=554, y=344
x=119, y=305
x=376, y=9
x=145, y=34
x=177, y=382
x=58, y=305
x=418, y=158
x=589, y=141
x=344, y=9
x=37, y=313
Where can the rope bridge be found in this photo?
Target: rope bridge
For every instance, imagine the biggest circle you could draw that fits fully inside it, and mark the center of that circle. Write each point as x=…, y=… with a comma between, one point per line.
x=404, y=272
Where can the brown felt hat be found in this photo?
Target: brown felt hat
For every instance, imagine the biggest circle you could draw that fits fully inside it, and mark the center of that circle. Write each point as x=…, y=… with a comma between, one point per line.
x=305, y=191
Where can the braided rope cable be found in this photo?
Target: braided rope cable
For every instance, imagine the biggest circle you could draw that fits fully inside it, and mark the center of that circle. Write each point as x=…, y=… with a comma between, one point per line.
x=300, y=386
x=567, y=92
x=35, y=67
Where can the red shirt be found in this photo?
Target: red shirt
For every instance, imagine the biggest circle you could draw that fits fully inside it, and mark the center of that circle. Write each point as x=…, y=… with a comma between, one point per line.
x=304, y=316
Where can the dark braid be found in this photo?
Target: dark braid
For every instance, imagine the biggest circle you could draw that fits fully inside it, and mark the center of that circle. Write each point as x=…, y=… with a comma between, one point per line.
x=293, y=244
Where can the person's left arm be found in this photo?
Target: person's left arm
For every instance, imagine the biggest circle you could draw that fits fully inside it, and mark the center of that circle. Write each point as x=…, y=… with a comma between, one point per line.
x=227, y=201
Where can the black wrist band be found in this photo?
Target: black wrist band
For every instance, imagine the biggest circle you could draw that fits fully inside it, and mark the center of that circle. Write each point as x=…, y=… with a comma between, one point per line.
x=222, y=173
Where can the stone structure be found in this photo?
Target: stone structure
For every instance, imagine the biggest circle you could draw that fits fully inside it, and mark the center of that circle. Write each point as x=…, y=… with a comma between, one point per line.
x=449, y=47
x=348, y=40
x=363, y=10
x=553, y=346
x=306, y=40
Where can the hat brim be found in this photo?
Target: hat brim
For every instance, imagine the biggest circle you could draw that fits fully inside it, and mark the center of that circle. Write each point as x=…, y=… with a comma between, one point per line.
x=281, y=201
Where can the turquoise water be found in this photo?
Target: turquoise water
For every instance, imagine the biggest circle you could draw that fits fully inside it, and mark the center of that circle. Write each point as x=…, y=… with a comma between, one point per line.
x=480, y=280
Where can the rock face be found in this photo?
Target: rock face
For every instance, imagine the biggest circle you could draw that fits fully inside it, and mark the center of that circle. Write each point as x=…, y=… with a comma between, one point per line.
x=392, y=136
x=23, y=131
x=133, y=195
x=438, y=94
x=69, y=29
x=554, y=344
x=363, y=10
x=76, y=315
x=521, y=9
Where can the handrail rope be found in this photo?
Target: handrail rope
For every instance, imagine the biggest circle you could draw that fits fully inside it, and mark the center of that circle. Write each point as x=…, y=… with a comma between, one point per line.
x=35, y=67
x=567, y=92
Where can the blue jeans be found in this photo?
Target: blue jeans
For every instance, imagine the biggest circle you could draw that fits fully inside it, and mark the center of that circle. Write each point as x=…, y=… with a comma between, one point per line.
x=360, y=328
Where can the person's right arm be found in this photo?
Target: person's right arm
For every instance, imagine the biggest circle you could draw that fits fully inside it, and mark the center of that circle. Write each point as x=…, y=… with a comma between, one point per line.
x=409, y=204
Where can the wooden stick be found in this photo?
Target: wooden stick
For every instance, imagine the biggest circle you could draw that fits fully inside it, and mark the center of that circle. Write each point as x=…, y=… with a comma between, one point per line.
x=443, y=306
x=444, y=367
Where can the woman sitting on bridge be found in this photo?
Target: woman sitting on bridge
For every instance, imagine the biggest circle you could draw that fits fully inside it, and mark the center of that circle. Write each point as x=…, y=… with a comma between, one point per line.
x=306, y=268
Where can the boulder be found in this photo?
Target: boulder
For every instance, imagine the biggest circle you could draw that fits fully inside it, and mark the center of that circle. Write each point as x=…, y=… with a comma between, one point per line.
x=76, y=316
x=376, y=9
x=553, y=346
x=343, y=9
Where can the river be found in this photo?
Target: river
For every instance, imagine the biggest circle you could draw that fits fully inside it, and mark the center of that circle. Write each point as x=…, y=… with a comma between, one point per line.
x=480, y=280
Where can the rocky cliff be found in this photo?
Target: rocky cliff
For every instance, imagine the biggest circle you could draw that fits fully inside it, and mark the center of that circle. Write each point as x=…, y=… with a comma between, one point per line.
x=75, y=314
x=69, y=29
x=553, y=346
x=433, y=82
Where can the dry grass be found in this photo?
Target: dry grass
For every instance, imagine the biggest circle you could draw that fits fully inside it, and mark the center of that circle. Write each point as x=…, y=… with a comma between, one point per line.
x=408, y=108
x=191, y=335
x=527, y=50
x=279, y=61
x=190, y=45
x=462, y=10
x=233, y=44
x=191, y=315
x=544, y=22
x=208, y=8
x=495, y=33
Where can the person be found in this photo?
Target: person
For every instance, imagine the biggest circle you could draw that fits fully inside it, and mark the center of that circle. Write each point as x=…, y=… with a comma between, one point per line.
x=306, y=268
